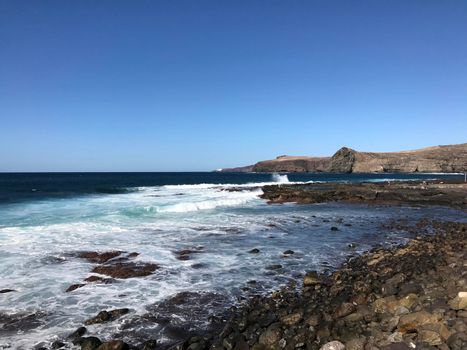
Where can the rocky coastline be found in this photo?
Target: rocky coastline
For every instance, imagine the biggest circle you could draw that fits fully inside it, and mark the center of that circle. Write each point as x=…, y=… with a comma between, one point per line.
x=413, y=296
x=453, y=194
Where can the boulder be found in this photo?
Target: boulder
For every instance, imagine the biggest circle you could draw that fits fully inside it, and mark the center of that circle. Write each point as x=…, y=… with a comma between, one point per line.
x=333, y=345
x=114, y=345
x=413, y=321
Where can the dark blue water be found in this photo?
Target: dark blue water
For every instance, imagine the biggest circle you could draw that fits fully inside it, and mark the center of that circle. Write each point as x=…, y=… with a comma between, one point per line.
x=16, y=187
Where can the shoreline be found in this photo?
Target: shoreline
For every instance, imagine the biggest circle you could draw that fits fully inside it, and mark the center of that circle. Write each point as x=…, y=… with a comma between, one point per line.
x=410, y=296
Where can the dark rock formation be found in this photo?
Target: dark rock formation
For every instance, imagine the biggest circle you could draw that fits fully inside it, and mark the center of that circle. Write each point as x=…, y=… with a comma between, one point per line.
x=412, y=193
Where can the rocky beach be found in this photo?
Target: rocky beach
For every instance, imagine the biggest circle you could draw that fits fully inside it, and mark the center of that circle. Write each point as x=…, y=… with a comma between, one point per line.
x=407, y=296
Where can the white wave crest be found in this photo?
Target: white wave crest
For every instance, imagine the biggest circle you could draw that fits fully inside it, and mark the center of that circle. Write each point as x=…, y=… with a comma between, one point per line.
x=232, y=199
x=280, y=178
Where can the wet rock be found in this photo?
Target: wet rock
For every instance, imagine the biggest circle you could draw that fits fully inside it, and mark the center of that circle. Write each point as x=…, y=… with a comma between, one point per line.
x=333, y=345
x=107, y=316
x=254, y=251
x=126, y=269
x=334, y=228
x=89, y=343
x=149, y=345
x=77, y=334
x=58, y=344
x=100, y=258
x=74, y=287
x=3, y=291
x=113, y=345
x=93, y=278
x=311, y=279
x=288, y=252
x=274, y=267
x=20, y=322
x=185, y=254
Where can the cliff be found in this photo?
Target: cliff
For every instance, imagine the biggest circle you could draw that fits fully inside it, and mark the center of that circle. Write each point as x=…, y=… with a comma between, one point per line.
x=443, y=159
x=294, y=164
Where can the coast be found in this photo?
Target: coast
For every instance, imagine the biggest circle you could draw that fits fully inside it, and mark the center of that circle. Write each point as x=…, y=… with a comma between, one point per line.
x=413, y=296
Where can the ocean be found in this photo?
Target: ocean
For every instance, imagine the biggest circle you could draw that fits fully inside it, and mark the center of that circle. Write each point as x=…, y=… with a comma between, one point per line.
x=46, y=219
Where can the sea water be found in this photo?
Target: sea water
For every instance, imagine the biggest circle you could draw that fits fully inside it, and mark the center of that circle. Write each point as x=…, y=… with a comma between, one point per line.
x=47, y=218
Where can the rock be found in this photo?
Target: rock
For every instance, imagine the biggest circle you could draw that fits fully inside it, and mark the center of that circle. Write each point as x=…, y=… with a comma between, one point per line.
x=288, y=252
x=271, y=335
x=334, y=228
x=389, y=324
x=411, y=322
x=113, y=345
x=355, y=344
x=185, y=254
x=149, y=345
x=77, y=334
x=100, y=258
x=106, y=316
x=313, y=320
x=457, y=341
x=344, y=310
x=311, y=278
x=292, y=319
x=3, y=291
x=90, y=343
x=94, y=278
x=58, y=344
x=126, y=269
x=74, y=287
x=254, y=251
x=396, y=346
x=429, y=337
x=333, y=345
x=459, y=302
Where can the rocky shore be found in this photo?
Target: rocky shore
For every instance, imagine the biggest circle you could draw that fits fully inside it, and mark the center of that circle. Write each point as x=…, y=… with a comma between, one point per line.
x=413, y=296
x=411, y=193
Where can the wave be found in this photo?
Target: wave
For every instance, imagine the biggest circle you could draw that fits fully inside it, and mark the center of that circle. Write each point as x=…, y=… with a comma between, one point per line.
x=276, y=179
x=236, y=199
x=280, y=178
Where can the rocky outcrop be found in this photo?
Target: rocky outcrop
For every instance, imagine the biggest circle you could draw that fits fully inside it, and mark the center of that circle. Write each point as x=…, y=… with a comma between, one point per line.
x=406, y=193
x=444, y=159
x=291, y=164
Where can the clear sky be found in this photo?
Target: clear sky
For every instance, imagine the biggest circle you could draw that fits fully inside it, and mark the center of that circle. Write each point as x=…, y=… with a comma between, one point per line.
x=197, y=85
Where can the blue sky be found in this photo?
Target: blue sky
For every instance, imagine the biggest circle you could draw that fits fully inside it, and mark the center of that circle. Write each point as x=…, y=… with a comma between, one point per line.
x=198, y=85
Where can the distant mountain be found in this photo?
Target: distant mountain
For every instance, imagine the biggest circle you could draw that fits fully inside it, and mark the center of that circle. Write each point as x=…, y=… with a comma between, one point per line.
x=443, y=159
